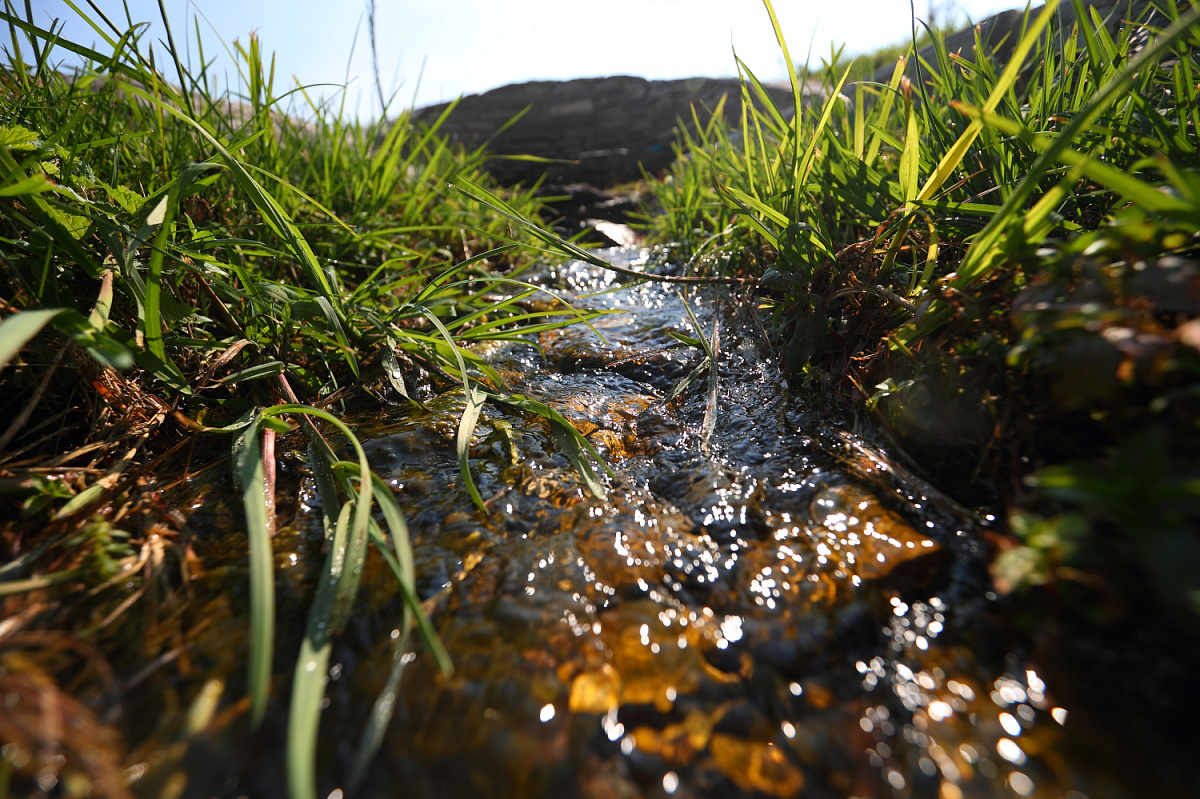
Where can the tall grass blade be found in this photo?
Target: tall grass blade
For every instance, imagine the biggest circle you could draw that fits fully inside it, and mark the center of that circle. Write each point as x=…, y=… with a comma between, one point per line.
x=575, y=446
x=910, y=157
x=797, y=98
x=1139, y=192
x=810, y=154
x=982, y=249
x=248, y=468
x=312, y=666
x=273, y=214
x=954, y=156
x=462, y=443
x=710, y=346
x=885, y=111
x=470, y=414
x=985, y=250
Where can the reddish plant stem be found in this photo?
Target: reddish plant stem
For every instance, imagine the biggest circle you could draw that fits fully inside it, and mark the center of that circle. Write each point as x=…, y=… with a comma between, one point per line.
x=268, y=462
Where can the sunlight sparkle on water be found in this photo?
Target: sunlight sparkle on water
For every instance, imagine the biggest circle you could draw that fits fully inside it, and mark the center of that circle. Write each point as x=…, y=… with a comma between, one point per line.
x=731, y=628
x=1008, y=749
x=1021, y=784
x=1010, y=724
x=938, y=711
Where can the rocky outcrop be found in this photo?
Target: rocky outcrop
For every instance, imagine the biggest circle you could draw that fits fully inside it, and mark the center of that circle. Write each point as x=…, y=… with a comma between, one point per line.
x=605, y=127
x=604, y=131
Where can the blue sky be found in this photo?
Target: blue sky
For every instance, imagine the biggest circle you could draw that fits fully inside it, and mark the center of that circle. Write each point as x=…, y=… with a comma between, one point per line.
x=469, y=46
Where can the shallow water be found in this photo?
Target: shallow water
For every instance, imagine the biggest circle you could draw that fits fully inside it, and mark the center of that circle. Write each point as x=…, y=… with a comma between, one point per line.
x=780, y=610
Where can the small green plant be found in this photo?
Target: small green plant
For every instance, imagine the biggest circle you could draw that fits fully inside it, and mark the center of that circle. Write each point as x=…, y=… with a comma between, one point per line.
x=1150, y=500
x=1046, y=553
x=46, y=492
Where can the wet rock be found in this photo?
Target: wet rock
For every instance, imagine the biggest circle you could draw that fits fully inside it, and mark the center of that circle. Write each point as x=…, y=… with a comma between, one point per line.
x=575, y=207
x=895, y=487
x=608, y=779
x=654, y=422
x=604, y=409
x=728, y=504
x=596, y=691
x=744, y=720
x=856, y=536
x=757, y=766
x=625, y=352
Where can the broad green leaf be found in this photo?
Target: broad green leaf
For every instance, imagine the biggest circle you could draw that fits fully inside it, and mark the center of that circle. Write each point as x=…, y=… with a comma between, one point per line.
x=75, y=225
x=17, y=330
x=31, y=184
x=910, y=157
x=125, y=197
x=19, y=138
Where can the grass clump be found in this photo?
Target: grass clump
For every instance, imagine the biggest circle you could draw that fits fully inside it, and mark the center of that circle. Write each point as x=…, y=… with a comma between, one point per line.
x=983, y=258
x=184, y=264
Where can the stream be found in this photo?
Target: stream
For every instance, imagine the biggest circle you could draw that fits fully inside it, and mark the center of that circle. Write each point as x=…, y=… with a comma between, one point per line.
x=779, y=609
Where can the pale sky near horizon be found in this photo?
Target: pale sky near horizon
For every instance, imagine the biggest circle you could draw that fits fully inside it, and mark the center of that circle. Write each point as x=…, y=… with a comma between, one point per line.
x=470, y=46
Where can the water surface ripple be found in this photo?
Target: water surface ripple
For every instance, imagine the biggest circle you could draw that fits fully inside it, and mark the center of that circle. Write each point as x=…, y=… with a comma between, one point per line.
x=780, y=610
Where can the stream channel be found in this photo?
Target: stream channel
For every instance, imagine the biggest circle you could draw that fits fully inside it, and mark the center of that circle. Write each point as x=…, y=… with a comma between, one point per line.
x=780, y=609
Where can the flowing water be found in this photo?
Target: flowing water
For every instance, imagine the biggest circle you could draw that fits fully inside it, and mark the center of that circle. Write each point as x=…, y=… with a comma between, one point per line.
x=778, y=609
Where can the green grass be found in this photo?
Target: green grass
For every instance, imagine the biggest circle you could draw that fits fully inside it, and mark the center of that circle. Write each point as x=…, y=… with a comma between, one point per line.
x=897, y=230
x=245, y=260
x=978, y=166
x=238, y=258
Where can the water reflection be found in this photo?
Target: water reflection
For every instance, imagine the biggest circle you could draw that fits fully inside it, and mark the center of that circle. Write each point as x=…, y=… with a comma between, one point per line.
x=716, y=616
x=785, y=614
